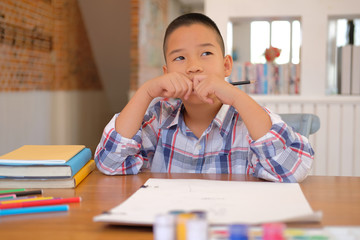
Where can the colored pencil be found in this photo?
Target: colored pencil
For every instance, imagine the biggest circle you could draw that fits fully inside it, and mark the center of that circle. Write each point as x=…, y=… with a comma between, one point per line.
x=23, y=193
x=27, y=210
x=8, y=191
x=9, y=196
x=41, y=203
x=24, y=200
x=25, y=197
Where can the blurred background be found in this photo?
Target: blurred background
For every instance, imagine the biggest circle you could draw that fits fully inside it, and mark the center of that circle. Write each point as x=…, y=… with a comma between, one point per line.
x=67, y=66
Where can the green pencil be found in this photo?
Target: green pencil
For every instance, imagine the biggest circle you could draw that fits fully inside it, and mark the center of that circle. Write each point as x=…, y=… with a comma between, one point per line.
x=12, y=190
x=6, y=198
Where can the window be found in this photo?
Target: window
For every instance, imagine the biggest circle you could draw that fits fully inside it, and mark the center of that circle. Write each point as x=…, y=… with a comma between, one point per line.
x=249, y=38
x=285, y=35
x=259, y=41
x=342, y=32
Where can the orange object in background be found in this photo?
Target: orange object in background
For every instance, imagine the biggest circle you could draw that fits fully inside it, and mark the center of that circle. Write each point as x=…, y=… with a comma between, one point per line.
x=272, y=53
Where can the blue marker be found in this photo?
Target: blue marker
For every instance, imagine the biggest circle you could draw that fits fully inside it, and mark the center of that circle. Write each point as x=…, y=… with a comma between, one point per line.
x=27, y=210
x=238, y=232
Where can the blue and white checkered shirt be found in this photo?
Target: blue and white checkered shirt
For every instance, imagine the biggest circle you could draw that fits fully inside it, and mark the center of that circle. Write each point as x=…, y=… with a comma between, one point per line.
x=165, y=144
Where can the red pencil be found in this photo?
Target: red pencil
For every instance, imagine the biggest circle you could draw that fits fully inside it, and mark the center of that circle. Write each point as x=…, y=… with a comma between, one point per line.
x=41, y=203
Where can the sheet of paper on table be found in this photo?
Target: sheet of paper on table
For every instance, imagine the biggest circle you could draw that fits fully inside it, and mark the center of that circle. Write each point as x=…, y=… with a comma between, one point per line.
x=226, y=202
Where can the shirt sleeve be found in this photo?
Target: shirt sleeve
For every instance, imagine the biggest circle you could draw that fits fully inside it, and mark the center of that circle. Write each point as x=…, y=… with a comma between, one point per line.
x=281, y=155
x=117, y=155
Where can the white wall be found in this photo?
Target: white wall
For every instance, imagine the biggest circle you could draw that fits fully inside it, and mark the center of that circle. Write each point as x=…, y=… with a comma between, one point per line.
x=314, y=16
x=108, y=26
x=79, y=117
x=44, y=117
x=241, y=40
x=24, y=119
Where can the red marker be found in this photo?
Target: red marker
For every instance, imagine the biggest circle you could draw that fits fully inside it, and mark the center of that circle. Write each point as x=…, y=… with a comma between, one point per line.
x=41, y=203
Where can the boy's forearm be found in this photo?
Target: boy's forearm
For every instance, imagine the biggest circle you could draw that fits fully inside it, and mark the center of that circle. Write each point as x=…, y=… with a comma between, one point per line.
x=257, y=121
x=129, y=120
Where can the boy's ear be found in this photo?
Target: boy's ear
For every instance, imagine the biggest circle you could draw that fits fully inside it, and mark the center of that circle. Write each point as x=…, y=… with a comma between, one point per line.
x=164, y=69
x=228, y=64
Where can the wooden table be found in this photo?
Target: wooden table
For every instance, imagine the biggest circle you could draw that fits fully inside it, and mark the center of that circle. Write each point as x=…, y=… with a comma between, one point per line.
x=337, y=197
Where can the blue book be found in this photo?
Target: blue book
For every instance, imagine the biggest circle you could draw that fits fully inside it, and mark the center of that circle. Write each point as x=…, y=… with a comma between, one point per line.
x=62, y=170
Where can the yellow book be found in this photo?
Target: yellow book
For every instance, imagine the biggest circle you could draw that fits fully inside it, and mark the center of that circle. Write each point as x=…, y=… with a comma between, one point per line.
x=41, y=154
x=49, y=182
x=82, y=174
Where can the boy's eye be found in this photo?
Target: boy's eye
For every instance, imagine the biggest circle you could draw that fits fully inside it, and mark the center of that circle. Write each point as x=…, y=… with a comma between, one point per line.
x=179, y=58
x=206, y=53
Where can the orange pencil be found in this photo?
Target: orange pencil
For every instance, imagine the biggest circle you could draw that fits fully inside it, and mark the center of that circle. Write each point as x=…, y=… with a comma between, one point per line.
x=24, y=200
x=41, y=203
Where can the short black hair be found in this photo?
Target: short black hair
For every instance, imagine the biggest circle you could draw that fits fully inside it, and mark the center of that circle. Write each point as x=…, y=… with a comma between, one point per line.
x=189, y=19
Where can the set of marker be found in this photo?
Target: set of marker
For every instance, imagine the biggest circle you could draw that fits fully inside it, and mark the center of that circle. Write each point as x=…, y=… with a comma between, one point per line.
x=178, y=225
x=268, y=231
x=20, y=201
x=279, y=231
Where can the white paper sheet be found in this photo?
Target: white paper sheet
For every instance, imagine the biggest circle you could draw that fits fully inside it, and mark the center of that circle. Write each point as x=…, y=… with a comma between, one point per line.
x=226, y=202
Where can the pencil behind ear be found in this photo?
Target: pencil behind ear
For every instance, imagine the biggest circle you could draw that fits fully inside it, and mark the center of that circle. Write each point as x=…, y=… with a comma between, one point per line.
x=228, y=64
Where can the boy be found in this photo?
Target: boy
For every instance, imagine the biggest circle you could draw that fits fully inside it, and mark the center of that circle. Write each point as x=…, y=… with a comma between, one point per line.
x=191, y=120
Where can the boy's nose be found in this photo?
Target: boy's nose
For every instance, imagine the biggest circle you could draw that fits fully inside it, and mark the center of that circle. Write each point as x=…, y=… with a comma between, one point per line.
x=194, y=67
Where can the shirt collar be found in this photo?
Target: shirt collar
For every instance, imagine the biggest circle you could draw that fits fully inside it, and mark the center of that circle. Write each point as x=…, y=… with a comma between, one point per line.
x=223, y=119
x=173, y=118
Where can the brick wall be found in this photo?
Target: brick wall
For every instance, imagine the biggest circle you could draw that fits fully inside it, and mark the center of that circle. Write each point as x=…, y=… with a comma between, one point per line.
x=44, y=46
x=134, y=52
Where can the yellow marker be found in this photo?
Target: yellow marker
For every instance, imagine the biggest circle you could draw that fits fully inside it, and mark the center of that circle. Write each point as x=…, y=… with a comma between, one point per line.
x=181, y=225
x=25, y=200
x=294, y=232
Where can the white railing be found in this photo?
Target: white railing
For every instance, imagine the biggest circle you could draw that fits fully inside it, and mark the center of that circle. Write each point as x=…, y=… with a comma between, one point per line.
x=337, y=143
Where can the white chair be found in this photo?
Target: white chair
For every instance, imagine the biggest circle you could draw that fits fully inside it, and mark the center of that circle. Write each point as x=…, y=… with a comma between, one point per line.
x=303, y=123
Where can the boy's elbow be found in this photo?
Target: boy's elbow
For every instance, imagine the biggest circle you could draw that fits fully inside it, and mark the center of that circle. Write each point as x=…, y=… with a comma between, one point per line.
x=107, y=165
x=117, y=171
x=305, y=171
x=301, y=173
x=286, y=176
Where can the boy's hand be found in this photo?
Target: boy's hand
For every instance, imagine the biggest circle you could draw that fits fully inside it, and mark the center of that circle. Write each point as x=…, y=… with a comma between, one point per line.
x=172, y=85
x=208, y=87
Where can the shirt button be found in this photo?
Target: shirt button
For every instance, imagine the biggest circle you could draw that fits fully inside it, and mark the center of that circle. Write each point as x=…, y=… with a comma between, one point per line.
x=198, y=147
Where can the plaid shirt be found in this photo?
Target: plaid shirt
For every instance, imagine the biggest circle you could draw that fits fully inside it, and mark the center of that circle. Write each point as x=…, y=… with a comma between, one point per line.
x=165, y=144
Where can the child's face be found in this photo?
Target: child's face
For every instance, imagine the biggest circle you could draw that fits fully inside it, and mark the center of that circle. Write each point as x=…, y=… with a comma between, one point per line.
x=195, y=50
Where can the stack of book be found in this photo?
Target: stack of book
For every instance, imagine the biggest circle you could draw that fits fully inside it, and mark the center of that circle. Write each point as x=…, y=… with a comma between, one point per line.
x=45, y=166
